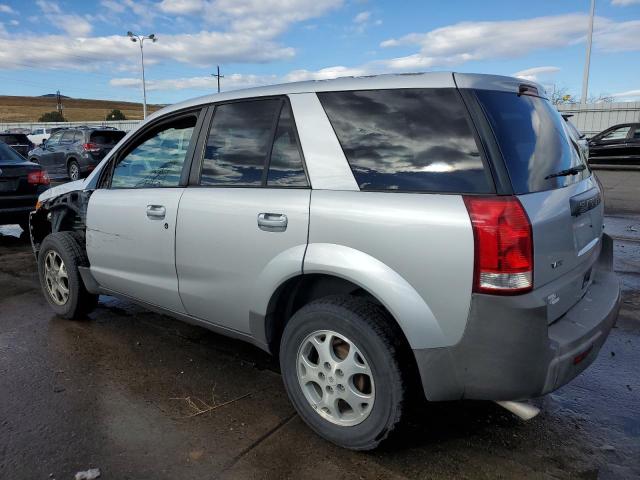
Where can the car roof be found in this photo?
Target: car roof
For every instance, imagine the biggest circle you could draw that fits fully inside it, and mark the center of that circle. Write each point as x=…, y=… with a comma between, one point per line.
x=372, y=82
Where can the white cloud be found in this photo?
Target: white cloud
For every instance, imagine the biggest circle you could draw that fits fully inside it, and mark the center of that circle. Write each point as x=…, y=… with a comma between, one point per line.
x=618, y=37
x=535, y=73
x=4, y=8
x=229, y=82
x=73, y=25
x=625, y=3
x=15, y=23
x=249, y=31
x=237, y=80
x=362, y=17
x=113, y=6
x=628, y=95
x=181, y=7
x=48, y=7
x=467, y=41
x=324, y=73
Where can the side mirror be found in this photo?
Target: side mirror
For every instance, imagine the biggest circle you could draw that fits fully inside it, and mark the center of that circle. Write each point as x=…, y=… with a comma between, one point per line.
x=43, y=143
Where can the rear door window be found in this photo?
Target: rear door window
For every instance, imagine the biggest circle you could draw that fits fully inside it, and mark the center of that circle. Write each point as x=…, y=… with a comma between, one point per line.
x=285, y=165
x=413, y=140
x=239, y=142
x=534, y=143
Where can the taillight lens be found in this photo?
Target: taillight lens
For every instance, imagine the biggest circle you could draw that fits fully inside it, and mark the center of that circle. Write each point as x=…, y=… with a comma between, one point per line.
x=91, y=147
x=503, y=245
x=38, y=177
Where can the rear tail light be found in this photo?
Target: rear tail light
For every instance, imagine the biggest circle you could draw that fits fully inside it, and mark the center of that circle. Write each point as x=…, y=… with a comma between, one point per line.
x=91, y=147
x=38, y=177
x=503, y=245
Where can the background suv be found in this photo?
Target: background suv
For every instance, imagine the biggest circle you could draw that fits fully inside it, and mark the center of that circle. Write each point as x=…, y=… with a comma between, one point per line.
x=438, y=231
x=74, y=152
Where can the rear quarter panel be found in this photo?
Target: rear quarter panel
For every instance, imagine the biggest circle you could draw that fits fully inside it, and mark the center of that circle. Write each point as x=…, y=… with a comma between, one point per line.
x=401, y=247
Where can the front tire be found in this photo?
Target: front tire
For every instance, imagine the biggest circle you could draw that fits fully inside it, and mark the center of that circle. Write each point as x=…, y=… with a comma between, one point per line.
x=58, y=260
x=339, y=358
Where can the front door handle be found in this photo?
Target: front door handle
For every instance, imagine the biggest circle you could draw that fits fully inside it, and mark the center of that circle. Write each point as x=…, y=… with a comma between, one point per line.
x=272, y=222
x=156, y=212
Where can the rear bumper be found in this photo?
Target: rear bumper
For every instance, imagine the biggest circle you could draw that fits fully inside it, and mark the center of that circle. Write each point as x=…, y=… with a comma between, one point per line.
x=9, y=213
x=508, y=352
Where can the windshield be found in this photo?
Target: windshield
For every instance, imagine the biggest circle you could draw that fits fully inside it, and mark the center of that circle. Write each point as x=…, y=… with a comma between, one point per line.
x=533, y=141
x=8, y=155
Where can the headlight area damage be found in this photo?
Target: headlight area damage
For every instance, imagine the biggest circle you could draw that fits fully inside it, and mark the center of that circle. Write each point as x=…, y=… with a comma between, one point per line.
x=65, y=212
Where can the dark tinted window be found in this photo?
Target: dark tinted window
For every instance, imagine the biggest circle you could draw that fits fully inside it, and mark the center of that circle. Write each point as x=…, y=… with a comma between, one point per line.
x=106, y=137
x=637, y=133
x=157, y=159
x=532, y=139
x=285, y=167
x=8, y=154
x=14, y=139
x=410, y=139
x=239, y=142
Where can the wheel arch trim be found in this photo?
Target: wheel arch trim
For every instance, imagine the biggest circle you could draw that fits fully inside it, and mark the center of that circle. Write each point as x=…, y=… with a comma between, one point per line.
x=403, y=302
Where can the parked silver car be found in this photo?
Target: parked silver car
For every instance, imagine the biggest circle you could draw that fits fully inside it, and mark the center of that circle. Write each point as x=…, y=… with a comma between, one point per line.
x=376, y=233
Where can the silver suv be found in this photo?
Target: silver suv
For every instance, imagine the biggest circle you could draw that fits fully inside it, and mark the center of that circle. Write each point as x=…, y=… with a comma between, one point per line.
x=440, y=230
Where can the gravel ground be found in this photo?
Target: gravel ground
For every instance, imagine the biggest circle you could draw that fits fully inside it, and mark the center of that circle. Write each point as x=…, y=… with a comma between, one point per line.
x=139, y=395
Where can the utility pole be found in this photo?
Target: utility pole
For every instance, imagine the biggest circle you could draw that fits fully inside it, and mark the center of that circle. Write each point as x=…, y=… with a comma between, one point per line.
x=59, y=102
x=140, y=39
x=585, y=75
x=218, y=76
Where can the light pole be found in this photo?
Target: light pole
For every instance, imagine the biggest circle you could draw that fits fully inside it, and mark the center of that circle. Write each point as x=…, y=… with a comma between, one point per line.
x=140, y=39
x=585, y=75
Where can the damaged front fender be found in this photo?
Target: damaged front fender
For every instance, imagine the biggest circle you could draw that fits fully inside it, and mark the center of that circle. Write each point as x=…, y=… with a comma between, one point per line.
x=64, y=212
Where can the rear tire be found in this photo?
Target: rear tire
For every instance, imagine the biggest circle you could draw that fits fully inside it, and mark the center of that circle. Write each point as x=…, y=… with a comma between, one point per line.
x=73, y=170
x=58, y=260
x=355, y=404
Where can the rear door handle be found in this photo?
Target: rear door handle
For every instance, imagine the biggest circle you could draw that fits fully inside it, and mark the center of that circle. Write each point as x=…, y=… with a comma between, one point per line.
x=156, y=212
x=272, y=222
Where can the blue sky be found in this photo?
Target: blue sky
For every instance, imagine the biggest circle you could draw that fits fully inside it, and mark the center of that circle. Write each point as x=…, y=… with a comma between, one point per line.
x=80, y=47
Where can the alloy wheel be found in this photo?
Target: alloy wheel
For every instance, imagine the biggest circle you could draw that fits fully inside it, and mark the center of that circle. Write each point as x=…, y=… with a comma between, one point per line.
x=56, y=278
x=336, y=378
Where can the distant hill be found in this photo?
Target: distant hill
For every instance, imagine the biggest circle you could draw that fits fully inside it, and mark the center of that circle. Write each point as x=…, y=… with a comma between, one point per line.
x=29, y=109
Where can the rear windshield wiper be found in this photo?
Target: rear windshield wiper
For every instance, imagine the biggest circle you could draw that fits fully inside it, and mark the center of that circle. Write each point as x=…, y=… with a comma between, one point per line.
x=567, y=172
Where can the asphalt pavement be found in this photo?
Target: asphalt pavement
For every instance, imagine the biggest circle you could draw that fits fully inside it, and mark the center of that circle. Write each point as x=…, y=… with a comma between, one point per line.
x=139, y=395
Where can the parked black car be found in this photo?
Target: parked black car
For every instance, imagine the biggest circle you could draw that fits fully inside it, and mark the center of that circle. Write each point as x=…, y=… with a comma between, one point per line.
x=21, y=182
x=617, y=145
x=74, y=152
x=18, y=141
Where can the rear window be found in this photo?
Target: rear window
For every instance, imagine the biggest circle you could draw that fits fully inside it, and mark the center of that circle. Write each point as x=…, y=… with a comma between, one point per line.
x=14, y=139
x=8, y=155
x=532, y=139
x=414, y=140
x=106, y=137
